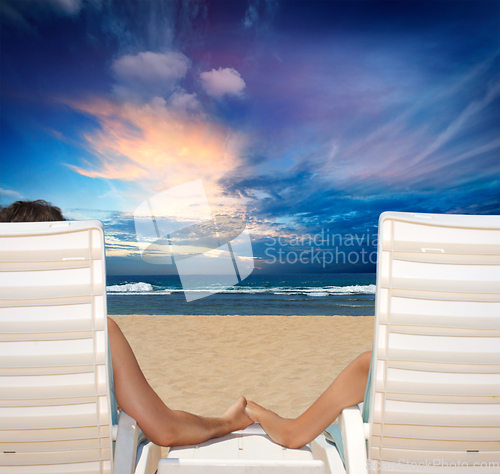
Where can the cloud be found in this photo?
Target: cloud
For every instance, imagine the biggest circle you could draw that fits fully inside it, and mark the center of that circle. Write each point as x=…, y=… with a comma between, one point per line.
x=183, y=101
x=149, y=74
x=220, y=82
x=7, y=196
x=156, y=144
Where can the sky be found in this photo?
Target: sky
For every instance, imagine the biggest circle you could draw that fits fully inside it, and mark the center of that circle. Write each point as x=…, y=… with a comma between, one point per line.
x=303, y=119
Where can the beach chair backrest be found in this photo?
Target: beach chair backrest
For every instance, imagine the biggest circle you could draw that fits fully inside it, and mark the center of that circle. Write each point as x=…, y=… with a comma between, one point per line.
x=435, y=394
x=55, y=411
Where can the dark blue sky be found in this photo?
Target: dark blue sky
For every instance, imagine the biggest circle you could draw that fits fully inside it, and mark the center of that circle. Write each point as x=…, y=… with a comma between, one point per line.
x=299, y=117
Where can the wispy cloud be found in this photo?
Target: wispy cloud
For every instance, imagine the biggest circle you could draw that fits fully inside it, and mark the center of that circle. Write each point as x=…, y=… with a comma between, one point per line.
x=409, y=147
x=157, y=26
x=260, y=13
x=458, y=123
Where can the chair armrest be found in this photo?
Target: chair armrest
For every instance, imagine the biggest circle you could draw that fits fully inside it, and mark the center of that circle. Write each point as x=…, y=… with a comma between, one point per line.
x=126, y=445
x=148, y=457
x=329, y=454
x=132, y=456
x=353, y=436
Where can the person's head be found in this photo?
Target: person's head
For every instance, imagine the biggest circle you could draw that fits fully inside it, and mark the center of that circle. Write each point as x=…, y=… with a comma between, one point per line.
x=31, y=211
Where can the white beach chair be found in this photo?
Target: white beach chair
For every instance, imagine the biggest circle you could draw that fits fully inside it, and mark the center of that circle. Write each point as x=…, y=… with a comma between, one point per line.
x=434, y=396
x=56, y=409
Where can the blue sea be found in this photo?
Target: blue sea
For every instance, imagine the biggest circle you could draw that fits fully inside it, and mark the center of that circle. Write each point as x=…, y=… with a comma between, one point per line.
x=291, y=294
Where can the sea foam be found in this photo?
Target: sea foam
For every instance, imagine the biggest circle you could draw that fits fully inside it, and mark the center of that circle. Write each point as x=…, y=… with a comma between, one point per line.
x=139, y=287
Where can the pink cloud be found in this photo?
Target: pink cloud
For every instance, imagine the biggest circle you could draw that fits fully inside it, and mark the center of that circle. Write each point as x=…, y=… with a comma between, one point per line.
x=149, y=73
x=220, y=82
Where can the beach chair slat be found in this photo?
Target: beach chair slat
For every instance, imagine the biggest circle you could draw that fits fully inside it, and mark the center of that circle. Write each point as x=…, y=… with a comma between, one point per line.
x=408, y=457
x=431, y=432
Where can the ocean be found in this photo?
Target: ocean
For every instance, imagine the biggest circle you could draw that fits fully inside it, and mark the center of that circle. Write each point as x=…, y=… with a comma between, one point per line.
x=291, y=294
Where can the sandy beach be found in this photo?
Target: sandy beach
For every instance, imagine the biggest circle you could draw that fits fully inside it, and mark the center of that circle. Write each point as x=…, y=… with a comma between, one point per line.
x=202, y=364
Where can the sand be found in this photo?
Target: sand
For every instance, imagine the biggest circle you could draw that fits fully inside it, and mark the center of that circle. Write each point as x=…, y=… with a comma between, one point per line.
x=201, y=364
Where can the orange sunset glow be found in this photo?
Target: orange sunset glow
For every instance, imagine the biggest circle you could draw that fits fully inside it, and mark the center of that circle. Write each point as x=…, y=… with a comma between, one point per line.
x=155, y=142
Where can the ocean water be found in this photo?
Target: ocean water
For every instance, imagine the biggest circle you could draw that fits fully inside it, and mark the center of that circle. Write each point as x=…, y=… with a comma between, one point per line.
x=303, y=295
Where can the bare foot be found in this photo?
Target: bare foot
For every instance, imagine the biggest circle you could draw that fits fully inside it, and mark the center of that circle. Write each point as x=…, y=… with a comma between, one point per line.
x=236, y=417
x=276, y=427
x=254, y=410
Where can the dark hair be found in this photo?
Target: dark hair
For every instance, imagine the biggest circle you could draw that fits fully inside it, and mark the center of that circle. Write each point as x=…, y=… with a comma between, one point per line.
x=31, y=211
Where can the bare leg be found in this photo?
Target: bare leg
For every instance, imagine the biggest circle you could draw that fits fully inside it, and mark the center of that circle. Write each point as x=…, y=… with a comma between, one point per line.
x=160, y=424
x=346, y=390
